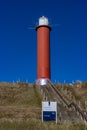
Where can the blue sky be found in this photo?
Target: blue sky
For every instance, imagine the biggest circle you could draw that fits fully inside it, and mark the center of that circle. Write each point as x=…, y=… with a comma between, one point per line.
x=68, y=40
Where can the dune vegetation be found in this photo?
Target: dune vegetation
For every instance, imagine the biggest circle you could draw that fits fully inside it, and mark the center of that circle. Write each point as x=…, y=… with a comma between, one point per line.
x=20, y=108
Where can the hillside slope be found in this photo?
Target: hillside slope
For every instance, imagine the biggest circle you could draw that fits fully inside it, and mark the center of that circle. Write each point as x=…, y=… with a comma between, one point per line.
x=76, y=93
x=19, y=101
x=20, y=109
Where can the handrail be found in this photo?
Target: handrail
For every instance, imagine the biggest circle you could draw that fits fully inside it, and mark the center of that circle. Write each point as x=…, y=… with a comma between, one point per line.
x=69, y=105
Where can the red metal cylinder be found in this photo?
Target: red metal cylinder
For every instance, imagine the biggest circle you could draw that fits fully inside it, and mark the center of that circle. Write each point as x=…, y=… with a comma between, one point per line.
x=43, y=52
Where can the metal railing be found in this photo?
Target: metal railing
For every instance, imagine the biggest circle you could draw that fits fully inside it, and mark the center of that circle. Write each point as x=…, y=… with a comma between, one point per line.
x=69, y=105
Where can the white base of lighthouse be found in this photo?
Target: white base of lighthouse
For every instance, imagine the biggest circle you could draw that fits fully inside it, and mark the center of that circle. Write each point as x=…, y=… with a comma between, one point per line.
x=42, y=81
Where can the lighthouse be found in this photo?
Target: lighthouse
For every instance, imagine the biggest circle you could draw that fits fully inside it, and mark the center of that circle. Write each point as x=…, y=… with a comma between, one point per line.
x=43, y=51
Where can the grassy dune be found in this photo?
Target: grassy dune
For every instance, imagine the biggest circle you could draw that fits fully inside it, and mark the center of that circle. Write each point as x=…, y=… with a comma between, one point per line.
x=38, y=125
x=74, y=93
x=19, y=101
x=20, y=109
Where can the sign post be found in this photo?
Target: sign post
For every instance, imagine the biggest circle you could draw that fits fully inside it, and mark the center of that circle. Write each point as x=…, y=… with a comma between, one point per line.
x=49, y=111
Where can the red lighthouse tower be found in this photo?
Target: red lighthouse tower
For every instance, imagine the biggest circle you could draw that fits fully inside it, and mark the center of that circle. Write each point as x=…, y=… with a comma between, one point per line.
x=43, y=51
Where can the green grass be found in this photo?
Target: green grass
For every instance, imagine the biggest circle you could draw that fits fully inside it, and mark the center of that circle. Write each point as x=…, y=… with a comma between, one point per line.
x=38, y=125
